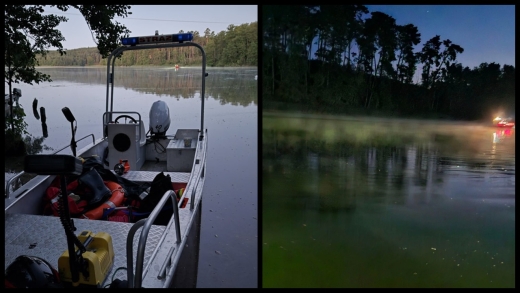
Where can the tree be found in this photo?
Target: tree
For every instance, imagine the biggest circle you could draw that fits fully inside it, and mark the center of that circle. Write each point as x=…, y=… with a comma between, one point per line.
x=436, y=61
x=29, y=33
x=408, y=36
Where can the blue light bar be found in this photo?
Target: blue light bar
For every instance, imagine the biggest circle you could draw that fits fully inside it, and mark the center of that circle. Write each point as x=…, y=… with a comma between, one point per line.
x=129, y=41
x=174, y=38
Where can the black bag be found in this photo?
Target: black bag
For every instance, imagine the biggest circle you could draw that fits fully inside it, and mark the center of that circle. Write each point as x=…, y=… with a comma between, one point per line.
x=132, y=189
x=160, y=184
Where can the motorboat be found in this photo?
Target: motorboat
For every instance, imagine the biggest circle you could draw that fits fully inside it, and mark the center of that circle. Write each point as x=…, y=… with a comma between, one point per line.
x=504, y=122
x=101, y=235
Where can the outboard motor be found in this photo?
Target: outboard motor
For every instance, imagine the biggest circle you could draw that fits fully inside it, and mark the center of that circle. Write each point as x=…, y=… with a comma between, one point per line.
x=159, y=118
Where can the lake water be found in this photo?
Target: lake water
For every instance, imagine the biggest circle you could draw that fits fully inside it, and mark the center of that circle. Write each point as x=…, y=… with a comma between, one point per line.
x=229, y=235
x=358, y=202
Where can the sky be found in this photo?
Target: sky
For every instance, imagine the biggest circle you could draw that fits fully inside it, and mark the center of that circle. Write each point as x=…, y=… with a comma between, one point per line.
x=485, y=32
x=167, y=19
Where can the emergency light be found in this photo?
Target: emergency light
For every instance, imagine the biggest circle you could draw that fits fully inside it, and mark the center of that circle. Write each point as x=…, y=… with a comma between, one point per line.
x=174, y=38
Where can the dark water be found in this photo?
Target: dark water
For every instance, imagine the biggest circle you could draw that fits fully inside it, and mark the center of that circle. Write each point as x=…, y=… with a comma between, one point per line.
x=368, y=203
x=229, y=235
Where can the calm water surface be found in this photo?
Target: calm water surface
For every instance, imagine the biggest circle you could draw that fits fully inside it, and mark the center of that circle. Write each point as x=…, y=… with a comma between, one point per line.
x=229, y=236
x=386, y=203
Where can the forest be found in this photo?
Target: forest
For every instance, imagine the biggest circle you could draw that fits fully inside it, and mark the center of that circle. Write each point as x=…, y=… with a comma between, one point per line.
x=344, y=59
x=237, y=46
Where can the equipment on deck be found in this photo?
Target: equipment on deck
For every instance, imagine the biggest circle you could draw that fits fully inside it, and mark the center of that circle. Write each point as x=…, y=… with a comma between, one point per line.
x=95, y=263
x=89, y=257
x=31, y=272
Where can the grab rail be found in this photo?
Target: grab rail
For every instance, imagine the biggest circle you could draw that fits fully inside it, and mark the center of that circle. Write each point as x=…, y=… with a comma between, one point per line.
x=12, y=179
x=147, y=223
x=93, y=142
x=107, y=118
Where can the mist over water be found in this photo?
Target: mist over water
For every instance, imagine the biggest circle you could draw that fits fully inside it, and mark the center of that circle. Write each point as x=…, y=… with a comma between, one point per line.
x=363, y=202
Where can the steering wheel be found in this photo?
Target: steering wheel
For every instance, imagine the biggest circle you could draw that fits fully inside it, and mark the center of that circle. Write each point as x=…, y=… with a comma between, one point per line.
x=125, y=117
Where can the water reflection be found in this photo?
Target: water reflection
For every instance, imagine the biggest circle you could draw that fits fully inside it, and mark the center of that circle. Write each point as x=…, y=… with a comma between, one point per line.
x=501, y=134
x=183, y=83
x=365, y=210
x=384, y=169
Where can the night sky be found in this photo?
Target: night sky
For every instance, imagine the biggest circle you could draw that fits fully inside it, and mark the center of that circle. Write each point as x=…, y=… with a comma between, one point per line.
x=485, y=32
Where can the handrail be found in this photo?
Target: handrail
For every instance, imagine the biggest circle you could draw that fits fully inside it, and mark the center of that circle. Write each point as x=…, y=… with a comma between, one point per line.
x=108, y=118
x=203, y=159
x=11, y=180
x=118, y=51
x=93, y=142
x=147, y=223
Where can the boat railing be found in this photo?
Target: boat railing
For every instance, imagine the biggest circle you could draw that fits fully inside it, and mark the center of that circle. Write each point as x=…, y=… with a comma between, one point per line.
x=107, y=118
x=111, y=59
x=18, y=175
x=193, y=174
x=135, y=282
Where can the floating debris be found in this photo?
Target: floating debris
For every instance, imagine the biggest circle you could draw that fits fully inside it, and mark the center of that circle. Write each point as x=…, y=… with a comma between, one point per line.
x=216, y=235
x=415, y=273
x=433, y=248
x=217, y=252
x=304, y=225
x=458, y=265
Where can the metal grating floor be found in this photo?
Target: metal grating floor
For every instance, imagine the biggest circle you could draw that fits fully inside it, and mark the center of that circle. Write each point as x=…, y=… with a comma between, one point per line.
x=47, y=236
x=148, y=176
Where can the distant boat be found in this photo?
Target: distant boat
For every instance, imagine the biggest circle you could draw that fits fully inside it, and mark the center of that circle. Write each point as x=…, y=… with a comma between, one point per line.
x=504, y=122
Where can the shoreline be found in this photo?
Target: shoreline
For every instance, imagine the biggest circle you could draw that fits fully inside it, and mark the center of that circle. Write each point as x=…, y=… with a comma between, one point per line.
x=166, y=66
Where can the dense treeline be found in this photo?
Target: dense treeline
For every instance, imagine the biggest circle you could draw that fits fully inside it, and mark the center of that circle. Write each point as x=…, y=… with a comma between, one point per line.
x=343, y=59
x=238, y=46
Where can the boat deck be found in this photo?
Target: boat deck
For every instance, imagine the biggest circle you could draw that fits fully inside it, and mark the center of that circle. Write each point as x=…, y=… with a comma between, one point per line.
x=44, y=237
x=150, y=169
